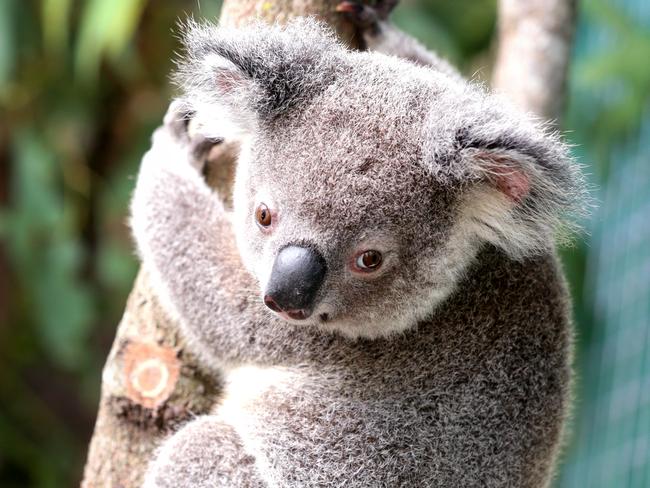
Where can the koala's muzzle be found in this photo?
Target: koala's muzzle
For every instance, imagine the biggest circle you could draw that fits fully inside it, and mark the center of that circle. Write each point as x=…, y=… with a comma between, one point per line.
x=297, y=275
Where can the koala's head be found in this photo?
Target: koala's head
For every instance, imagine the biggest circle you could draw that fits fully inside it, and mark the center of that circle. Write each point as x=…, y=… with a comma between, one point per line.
x=366, y=184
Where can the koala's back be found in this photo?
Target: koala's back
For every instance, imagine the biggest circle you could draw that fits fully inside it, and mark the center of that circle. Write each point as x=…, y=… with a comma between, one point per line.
x=476, y=396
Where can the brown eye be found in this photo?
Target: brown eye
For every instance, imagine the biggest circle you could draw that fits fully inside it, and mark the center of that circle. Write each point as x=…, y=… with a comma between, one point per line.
x=263, y=215
x=368, y=261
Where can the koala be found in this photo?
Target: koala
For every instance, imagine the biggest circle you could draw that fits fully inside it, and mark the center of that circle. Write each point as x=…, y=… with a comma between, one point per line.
x=384, y=300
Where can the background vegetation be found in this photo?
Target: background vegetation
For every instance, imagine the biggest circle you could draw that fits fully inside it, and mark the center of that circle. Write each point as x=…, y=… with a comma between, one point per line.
x=82, y=86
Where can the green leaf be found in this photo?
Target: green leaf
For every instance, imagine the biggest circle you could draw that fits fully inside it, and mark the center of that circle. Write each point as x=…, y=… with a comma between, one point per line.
x=7, y=41
x=55, y=23
x=46, y=252
x=107, y=26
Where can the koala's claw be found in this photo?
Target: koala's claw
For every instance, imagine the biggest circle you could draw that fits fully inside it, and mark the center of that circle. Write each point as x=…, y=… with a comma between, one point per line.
x=364, y=16
x=178, y=123
x=177, y=120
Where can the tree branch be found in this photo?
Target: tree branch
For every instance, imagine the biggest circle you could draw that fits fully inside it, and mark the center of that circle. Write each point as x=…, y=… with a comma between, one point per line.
x=534, y=52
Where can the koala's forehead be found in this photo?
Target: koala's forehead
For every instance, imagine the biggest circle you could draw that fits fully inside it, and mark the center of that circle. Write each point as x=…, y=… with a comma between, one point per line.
x=354, y=156
x=355, y=121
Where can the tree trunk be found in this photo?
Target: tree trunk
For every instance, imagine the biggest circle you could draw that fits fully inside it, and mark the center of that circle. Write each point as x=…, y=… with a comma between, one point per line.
x=151, y=383
x=534, y=52
x=237, y=12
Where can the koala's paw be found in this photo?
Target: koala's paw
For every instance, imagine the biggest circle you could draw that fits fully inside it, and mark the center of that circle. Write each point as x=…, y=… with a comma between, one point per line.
x=368, y=18
x=205, y=453
x=178, y=127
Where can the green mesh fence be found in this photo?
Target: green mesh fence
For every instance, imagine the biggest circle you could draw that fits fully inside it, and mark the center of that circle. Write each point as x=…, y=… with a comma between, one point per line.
x=611, y=445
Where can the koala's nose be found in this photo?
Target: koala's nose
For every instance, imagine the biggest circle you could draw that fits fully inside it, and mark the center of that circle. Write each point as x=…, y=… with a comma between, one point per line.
x=297, y=275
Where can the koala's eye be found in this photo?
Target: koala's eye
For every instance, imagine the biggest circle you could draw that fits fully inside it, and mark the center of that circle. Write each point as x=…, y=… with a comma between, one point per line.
x=263, y=215
x=368, y=261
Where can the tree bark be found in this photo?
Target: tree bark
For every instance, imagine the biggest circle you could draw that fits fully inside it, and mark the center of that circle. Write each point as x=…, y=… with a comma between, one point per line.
x=238, y=12
x=151, y=383
x=534, y=52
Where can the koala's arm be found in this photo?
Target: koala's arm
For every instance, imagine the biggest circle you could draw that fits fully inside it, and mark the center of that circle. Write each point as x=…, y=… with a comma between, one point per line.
x=381, y=35
x=388, y=39
x=186, y=242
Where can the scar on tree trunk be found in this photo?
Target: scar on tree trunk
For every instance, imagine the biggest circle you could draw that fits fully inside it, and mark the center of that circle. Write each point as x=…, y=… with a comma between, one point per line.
x=151, y=382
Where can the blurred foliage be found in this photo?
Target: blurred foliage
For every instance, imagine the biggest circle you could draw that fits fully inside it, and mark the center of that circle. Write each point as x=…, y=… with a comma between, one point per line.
x=82, y=86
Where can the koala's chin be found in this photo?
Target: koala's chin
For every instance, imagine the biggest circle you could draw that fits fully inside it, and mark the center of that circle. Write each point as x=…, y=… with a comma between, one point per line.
x=382, y=320
x=388, y=320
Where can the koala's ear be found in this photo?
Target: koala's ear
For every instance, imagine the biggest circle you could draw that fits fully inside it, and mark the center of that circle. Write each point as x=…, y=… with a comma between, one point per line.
x=236, y=78
x=524, y=188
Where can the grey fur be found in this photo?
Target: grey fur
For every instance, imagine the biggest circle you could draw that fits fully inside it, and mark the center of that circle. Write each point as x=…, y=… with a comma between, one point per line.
x=448, y=367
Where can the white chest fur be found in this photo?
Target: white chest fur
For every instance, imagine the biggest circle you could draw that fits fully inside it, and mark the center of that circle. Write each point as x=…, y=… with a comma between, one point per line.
x=244, y=404
x=247, y=385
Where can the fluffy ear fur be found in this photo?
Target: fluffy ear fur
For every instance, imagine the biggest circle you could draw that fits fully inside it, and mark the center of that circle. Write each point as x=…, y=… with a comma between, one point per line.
x=522, y=188
x=250, y=75
x=526, y=190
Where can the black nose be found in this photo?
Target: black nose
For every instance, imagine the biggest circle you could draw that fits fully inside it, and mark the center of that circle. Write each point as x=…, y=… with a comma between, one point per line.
x=296, y=277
